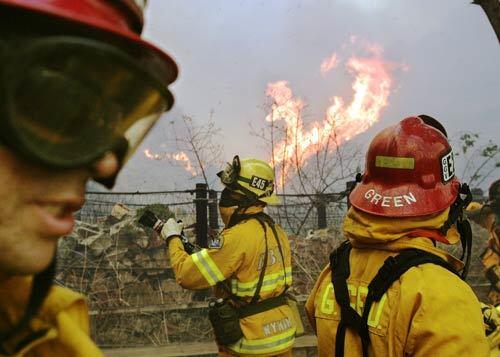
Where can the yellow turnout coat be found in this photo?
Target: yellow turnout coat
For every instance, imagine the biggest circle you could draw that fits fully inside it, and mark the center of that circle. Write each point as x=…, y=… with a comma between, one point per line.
x=237, y=257
x=429, y=311
x=61, y=327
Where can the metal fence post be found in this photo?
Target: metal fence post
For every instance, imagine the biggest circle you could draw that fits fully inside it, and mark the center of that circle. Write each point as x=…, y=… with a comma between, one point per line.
x=201, y=214
x=321, y=209
x=213, y=210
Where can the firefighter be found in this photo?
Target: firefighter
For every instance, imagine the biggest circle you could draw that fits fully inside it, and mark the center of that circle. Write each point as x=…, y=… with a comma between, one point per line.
x=488, y=216
x=79, y=89
x=388, y=290
x=249, y=263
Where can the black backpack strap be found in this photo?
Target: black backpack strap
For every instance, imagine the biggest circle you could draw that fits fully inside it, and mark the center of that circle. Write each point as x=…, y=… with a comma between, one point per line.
x=262, y=218
x=391, y=270
x=270, y=221
x=261, y=306
x=340, y=270
x=256, y=296
x=396, y=266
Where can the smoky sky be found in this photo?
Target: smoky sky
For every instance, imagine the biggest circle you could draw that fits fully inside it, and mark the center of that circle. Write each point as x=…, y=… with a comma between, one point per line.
x=227, y=52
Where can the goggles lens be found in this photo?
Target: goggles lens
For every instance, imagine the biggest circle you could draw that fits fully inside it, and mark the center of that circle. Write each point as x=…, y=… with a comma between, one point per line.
x=69, y=100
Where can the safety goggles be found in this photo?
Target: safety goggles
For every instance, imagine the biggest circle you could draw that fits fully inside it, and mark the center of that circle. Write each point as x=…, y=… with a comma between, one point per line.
x=229, y=176
x=65, y=101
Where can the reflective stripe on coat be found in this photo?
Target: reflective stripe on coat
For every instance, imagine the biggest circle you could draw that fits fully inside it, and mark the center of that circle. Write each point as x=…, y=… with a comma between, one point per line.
x=238, y=261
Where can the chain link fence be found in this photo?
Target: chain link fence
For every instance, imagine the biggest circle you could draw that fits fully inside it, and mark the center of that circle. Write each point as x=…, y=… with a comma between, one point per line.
x=124, y=269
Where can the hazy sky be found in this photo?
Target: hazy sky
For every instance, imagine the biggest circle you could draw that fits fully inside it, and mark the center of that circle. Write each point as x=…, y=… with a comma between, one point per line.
x=228, y=51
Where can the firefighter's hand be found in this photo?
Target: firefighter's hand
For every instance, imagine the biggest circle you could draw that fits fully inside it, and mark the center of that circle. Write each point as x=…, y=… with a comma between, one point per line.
x=171, y=228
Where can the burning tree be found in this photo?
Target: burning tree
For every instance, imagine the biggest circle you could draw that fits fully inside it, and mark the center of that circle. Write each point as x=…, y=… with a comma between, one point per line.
x=315, y=158
x=197, y=147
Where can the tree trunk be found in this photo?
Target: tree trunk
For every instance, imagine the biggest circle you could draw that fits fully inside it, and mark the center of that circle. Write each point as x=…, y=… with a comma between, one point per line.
x=492, y=10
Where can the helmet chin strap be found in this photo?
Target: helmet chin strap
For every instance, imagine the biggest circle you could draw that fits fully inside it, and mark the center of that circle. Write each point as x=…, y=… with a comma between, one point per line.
x=463, y=226
x=241, y=205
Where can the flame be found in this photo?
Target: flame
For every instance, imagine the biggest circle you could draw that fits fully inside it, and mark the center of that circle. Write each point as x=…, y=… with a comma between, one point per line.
x=371, y=86
x=329, y=63
x=181, y=157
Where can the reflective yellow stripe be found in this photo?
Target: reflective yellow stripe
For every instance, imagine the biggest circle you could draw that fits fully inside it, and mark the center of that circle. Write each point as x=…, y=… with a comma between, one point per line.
x=271, y=344
x=267, y=277
x=271, y=282
x=207, y=267
x=391, y=162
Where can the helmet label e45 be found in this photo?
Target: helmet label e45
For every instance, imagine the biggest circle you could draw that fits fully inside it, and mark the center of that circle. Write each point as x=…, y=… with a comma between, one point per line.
x=259, y=183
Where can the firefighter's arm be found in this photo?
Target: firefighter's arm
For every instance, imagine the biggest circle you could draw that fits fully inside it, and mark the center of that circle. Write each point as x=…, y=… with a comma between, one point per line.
x=447, y=321
x=206, y=267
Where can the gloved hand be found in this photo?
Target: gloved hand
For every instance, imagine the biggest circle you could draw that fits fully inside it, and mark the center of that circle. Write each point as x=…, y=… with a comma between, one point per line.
x=171, y=229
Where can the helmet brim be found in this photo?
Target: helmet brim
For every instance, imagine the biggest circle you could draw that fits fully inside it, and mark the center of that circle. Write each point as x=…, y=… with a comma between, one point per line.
x=161, y=63
x=271, y=200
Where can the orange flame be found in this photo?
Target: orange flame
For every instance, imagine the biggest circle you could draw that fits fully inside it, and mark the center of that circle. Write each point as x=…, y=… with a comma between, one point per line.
x=180, y=157
x=329, y=63
x=371, y=85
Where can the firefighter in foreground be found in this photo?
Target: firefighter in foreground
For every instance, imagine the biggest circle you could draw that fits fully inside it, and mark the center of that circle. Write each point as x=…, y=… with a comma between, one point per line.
x=249, y=263
x=389, y=291
x=79, y=89
x=488, y=216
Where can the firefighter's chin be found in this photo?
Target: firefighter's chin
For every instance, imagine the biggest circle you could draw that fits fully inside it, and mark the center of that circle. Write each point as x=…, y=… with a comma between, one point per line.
x=226, y=213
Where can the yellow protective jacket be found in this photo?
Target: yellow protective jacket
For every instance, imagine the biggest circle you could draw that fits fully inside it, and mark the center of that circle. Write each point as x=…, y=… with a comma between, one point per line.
x=429, y=311
x=61, y=327
x=237, y=258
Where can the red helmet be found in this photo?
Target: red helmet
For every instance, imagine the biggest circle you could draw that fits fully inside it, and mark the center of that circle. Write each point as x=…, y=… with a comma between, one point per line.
x=409, y=171
x=119, y=19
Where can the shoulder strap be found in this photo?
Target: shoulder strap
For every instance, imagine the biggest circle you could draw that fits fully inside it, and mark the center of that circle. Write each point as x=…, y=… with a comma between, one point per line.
x=271, y=223
x=397, y=265
x=239, y=301
x=262, y=218
x=391, y=270
x=256, y=296
x=340, y=271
